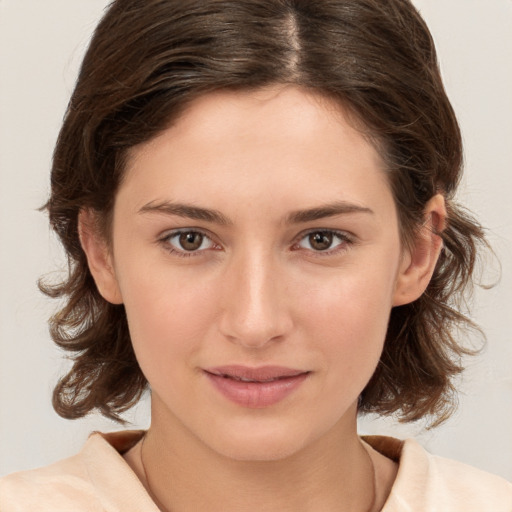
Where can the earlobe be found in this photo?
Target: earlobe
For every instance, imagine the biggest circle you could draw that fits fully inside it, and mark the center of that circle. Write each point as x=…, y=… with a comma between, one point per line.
x=98, y=256
x=420, y=261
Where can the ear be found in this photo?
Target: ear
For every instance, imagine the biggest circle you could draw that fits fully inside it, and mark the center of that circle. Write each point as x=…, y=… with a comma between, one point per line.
x=99, y=256
x=419, y=261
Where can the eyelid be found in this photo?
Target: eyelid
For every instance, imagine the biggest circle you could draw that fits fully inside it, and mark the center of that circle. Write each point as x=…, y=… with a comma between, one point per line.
x=163, y=240
x=346, y=237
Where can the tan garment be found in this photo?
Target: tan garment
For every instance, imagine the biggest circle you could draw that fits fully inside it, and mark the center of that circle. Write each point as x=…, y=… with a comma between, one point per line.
x=98, y=479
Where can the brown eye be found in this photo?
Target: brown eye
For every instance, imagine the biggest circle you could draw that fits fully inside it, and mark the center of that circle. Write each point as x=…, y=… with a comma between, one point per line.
x=191, y=241
x=325, y=240
x=321, y=240
x=187, y=243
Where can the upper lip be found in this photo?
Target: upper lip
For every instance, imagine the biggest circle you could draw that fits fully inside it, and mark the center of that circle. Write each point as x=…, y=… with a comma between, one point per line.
x=262, y=373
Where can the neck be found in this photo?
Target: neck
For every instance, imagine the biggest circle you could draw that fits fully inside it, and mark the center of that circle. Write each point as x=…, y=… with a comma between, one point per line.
x=181, y=473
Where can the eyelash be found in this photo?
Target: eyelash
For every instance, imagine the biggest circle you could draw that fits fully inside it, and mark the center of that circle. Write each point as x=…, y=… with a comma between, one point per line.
x=165, y=242
x=346, y=240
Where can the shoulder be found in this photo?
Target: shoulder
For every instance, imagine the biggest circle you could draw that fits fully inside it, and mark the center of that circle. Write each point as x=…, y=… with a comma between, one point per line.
x=96, y=479
x=461, y=483
x=62, y=486
x=431, y=483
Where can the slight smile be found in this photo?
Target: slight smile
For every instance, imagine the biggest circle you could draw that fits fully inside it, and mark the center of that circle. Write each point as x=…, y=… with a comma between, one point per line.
x=255, y=387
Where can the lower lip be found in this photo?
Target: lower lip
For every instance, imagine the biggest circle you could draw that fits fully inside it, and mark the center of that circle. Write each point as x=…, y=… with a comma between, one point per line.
x=256, y=395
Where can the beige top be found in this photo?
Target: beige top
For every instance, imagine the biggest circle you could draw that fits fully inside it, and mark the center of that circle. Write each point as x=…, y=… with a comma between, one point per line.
x=98, y=479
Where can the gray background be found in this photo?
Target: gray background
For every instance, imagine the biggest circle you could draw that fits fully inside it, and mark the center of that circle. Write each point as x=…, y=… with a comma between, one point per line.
x=41, y=44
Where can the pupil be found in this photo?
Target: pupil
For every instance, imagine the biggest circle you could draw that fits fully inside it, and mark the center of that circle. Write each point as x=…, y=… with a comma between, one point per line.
x=320, y=241
x=191, y=241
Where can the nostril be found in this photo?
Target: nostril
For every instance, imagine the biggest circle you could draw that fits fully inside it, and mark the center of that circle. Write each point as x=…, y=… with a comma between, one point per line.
x=254, y=312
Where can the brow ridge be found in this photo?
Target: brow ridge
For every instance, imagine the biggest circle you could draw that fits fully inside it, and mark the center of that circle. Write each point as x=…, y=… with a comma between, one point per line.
x=327, y=210
x=186, y=210
x=214, y=216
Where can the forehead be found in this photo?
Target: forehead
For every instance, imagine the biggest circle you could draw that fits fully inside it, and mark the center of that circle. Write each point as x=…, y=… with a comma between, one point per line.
x=260, y=114
x=282, y=142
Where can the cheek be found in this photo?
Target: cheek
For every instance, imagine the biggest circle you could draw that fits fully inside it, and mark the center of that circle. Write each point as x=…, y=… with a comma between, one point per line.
x=348, y=315
x=353, y=301
x=168, y=316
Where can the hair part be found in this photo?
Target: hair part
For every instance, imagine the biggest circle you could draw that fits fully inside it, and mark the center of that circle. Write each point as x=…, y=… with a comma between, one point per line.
x=149, y=59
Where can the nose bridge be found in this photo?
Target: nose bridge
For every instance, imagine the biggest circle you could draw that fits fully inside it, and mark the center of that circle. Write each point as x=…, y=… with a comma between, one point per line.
x=253, y=312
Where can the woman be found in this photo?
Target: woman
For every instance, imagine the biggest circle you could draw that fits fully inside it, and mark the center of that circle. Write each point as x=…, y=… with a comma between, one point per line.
x=256, y=199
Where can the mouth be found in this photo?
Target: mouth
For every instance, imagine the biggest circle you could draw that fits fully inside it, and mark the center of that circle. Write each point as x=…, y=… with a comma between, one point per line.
x=261, y=374
x=256, y=387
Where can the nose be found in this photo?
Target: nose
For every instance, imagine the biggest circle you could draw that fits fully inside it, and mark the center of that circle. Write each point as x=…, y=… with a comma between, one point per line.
x=255, y=309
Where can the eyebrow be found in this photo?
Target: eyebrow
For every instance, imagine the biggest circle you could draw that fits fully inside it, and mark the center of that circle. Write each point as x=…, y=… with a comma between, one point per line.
x=214, y=216
x=327, y=210
x=186, y=210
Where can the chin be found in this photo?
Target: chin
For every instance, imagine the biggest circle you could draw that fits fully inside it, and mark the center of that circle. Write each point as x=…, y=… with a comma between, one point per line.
x=261, y=451
x=258, y=443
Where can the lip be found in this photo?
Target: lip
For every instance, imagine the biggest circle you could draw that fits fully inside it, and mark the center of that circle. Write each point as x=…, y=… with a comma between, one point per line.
x=255, y=387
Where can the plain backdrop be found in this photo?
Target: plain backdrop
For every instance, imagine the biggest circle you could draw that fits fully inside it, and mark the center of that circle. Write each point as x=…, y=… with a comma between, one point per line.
x=41, y=44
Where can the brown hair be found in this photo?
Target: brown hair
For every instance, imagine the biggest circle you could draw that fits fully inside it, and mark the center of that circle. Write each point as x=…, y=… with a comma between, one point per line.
x=149, y=59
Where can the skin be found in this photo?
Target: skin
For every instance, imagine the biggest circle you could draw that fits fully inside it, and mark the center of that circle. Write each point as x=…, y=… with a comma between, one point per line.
x=258, y=291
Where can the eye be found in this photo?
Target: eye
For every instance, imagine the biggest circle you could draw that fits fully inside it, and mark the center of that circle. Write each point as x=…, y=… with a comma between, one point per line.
x=183, y=242
x=324, y=241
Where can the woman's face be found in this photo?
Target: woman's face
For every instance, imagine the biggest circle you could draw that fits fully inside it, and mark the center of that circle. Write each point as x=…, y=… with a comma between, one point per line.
x=258, y=231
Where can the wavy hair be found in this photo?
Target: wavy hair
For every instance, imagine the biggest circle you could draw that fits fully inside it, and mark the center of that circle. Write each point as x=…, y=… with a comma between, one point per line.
x=148, y=59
